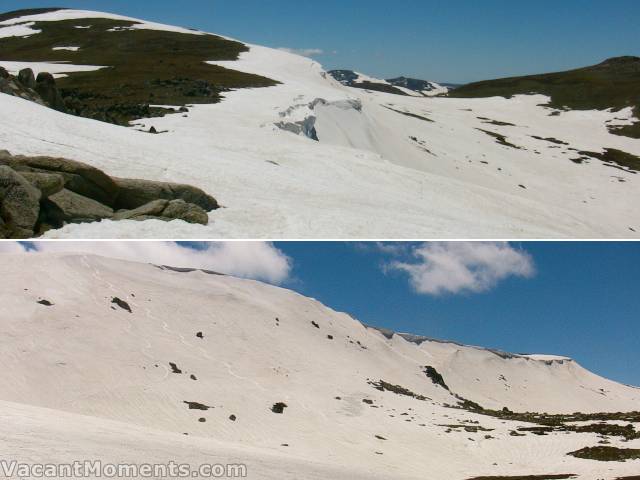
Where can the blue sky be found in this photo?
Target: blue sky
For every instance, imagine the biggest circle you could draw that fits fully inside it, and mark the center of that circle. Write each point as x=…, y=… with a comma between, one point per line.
x=449, y=41
x=582, y=301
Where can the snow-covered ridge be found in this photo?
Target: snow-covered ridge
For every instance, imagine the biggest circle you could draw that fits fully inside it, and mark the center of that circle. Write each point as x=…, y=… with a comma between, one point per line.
x=109, y=343
x=22, y=24
x=420, y=339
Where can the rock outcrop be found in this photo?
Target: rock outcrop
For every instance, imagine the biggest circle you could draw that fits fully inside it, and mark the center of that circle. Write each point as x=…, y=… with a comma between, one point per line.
x=42, y=90
x=19, y=204
x=41, y=193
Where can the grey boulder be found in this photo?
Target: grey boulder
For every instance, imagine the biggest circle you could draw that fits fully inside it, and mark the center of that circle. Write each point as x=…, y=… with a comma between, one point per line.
x=19, y=205
x=27, y=78
x=78, y=177
x=47, y=183
x=77, y=208
x=136, y=193
x=166, y=210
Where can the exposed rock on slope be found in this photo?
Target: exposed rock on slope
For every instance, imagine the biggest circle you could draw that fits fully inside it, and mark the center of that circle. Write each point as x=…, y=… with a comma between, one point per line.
x=397, y=86
x=42, y=90
x=41, y=193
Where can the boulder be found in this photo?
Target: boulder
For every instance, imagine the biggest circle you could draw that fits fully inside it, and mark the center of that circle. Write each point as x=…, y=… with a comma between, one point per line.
x=78, y=177
x=76, y=208
x=189, y=212
x=47, y=183
x=46, y=88
x=166, y=210
x=27, y=78
x=19, y=204
x=3, y=73
x=136, y=193
x=149, y=210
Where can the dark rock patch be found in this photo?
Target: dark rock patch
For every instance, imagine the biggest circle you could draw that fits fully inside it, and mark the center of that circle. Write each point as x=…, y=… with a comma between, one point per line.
x=435, y=377
x=550, y=139
x=174, y=368
x=397, y=389
x=199, y=335
x=197, y=406
x=616, y=158
x=315, y=324
x=122, y=304
x=607, y=454
x=279, y=407
x=501, y=139
x=409, y=114
x=46, y=303
x=498, y=123
x=233, y=418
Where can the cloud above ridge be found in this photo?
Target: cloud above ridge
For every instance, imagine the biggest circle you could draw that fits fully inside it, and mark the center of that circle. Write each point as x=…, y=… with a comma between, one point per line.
x=255, y=260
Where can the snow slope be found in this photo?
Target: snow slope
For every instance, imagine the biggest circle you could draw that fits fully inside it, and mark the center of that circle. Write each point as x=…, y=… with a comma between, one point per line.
x=386, y=166
x=115, y=382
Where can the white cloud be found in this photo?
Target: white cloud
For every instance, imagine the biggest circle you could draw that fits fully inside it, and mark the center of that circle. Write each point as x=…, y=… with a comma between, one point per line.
x=257, y=260
x=438, y=268
x=305, y=52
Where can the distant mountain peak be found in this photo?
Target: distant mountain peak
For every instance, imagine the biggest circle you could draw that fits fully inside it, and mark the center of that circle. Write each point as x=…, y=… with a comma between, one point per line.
x=398, y=86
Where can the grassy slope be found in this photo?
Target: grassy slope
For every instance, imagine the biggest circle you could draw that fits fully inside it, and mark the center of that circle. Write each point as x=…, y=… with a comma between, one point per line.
x=147, y=66
x=614, y=83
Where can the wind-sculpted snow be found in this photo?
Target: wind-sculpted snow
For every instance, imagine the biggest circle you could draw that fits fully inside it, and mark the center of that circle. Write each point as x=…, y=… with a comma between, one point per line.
x=252, y=371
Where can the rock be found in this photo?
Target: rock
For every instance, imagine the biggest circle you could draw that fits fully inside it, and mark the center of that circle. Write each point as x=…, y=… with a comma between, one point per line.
x=47, y=183
x=136, y=193
x=166, y=210
x=46, y=88
x=27, y=78
x=19, y=204
x=78, y=177
x=76, y=208
x=4, y=73
x=151, y=209
x=189, y=212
